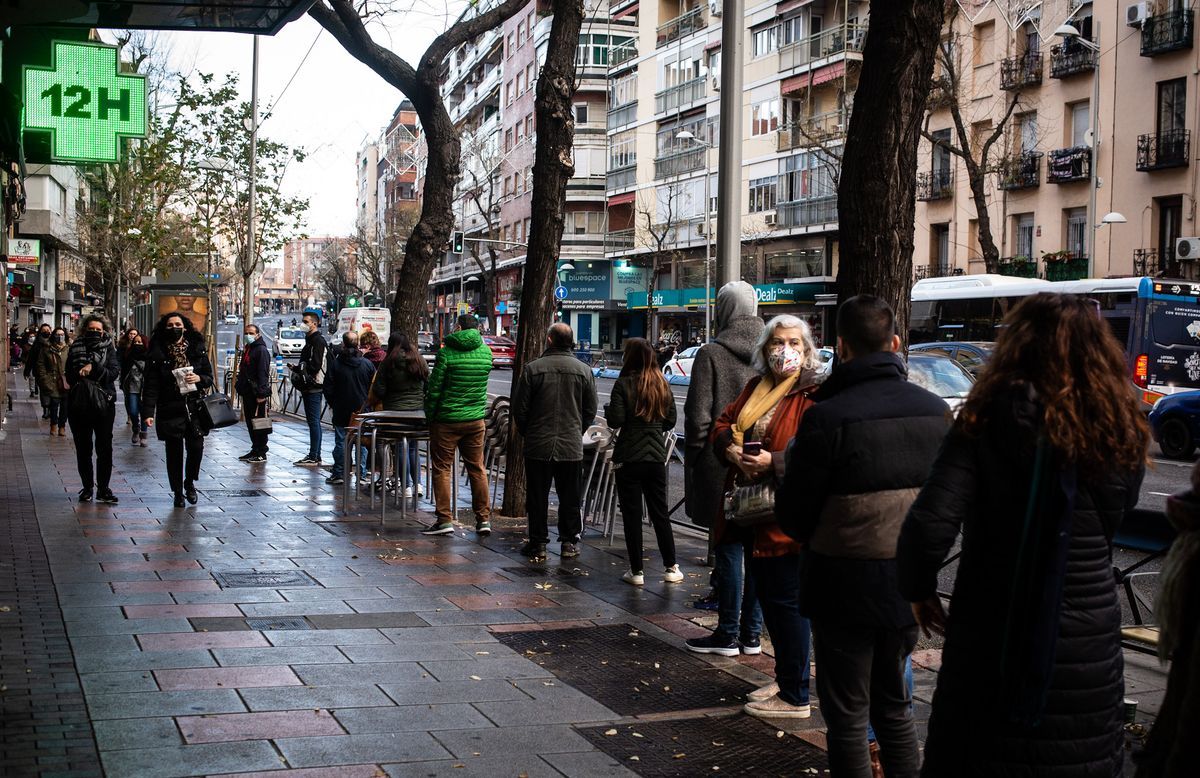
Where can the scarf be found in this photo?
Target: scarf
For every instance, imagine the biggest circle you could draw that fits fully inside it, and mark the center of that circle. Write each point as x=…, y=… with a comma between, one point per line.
x=177, y=352
x=764, y=397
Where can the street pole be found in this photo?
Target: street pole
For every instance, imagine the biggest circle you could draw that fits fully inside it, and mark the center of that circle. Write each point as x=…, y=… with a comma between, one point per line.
x=251, y=263
x=210, y=327
x=707, y=246
x=729, y=159
x=1095, y=153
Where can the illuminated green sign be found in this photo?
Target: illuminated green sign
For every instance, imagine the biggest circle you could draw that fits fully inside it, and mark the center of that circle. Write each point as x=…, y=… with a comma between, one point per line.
x=85, y=102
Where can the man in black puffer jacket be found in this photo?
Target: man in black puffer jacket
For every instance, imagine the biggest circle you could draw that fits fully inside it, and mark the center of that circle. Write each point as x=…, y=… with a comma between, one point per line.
x=857, y=462
x=346, y=387
x=254, y=386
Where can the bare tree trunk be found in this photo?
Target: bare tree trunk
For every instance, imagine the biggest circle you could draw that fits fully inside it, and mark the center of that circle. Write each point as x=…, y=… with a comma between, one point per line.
x=977, y=177
x=552, y=168
x=651, y=283
x=877, y=189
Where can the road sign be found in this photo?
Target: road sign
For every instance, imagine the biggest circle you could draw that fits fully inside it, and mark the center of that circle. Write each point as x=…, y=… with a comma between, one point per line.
x=85, y=102
x=24, y=251
x=560, y=293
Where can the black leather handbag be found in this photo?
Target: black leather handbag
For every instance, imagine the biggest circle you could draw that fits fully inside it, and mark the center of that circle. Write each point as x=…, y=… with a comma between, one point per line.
x=214, y=412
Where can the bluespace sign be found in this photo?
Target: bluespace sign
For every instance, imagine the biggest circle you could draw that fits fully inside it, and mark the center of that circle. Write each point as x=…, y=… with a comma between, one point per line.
x=587, y=286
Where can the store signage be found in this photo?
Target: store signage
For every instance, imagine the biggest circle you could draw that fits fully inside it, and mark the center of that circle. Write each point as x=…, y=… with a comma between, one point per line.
x=24, y=251
x=587, y=286
x=766, y=294
x=85, y=102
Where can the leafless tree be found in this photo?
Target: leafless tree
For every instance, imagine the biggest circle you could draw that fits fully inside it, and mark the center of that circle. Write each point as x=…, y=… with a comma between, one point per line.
x=659, y=212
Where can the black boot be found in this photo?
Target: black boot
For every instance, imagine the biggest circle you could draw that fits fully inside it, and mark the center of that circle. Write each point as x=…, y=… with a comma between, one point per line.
x=178, y=500
x=189, y=492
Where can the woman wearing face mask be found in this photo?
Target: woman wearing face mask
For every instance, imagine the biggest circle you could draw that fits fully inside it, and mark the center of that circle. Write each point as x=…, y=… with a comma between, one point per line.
x=176, y=345
x=133, y=369
x=93, y=358
x=752, y=435
x=51, y=370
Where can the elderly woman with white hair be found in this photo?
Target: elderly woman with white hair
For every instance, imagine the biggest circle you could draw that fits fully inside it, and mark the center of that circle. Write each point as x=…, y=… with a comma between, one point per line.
x=752, y=435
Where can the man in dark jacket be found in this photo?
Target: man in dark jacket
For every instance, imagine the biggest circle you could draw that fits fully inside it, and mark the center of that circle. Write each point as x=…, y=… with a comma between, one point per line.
x=309, y=377
x=254, y=386
x=553, y=406
x=855, y=466
x=346, y=387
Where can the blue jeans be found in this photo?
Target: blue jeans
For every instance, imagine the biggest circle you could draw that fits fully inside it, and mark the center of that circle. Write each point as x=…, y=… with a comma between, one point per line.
x=312, y=414
x=908, y=682
x=339, y=455
x=777, y=583
x=133, y=407
x=738, y=613
x=57, y=408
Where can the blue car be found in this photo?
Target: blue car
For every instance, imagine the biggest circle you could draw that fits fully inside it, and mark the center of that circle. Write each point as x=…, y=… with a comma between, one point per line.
x=1175, y=424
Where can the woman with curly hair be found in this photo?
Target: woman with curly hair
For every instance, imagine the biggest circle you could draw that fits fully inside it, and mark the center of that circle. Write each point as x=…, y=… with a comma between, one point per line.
x=1045, y=458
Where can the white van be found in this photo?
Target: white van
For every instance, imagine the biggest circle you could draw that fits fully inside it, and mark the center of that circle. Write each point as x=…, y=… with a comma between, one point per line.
x=362, y=319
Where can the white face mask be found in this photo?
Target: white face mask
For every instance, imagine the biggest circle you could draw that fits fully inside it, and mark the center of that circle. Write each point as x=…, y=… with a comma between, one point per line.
x=785, y=360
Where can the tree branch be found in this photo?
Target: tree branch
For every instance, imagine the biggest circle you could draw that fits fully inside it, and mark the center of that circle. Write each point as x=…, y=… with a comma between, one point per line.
x=344, y=23
x=462, y=31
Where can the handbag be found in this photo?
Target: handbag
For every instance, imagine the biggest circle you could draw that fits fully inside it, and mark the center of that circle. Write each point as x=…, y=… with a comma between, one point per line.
x=215, y=412
x=262, y=423
x=87, y=397
x=751, y=505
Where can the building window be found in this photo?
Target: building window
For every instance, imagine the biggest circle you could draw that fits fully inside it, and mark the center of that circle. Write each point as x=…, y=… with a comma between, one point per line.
x=1076, y=219
x=981, y=43
x=511, y=44
x=1081, y=122
x=520, y=34
x=581, y=113
x=520, y=83
x=804, y=177
x=668, y=134
x=520, y=132
x=1025, y=231
x=622, y=151
x=764, y=117
x=765, y=39
x=623, y=90
x=586, y=223
x=529, y=126
x=508, y=93
x=1172, y=104
x=762, y=194
x=508, y=140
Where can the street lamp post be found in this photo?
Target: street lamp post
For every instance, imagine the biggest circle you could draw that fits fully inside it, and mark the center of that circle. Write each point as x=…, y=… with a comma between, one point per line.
x=1069, y=32
x=686, y=135
x=210, y=166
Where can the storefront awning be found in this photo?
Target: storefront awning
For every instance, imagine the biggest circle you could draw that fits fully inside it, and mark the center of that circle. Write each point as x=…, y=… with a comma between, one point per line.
x=622, y=199
x=632, y=9
x=814, y=78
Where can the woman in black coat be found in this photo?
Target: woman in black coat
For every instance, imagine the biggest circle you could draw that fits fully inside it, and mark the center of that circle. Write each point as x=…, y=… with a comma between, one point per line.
x=175, y=344
x=92, y=359
x=1044, y=459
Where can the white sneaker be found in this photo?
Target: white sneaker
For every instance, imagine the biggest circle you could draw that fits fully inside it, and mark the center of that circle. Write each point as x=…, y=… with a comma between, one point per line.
x=763, y=692
x=420, y=490
x=672, y=574
x=408, y=491
x=637, y=579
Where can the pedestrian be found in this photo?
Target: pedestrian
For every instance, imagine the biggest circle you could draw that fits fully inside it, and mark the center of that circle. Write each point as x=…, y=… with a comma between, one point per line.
x=400, y=386
x=177, y=355
x=858, y=459
x=455, y=405
x=51, y=372
x=91, y=373
x=132, y=350
x=371, y=348
x=308, y=378
x=642, y=410
x=347, y=387
x=35, y=344
x=719, y=372
x=254, y=387
x=553, y=405
x=1046, y=456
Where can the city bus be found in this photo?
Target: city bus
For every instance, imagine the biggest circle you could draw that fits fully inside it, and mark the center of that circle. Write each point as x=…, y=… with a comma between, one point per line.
x=1157, y=320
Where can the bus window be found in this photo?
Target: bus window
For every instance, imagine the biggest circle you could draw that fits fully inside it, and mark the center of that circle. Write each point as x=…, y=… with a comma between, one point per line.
x=1120, y=329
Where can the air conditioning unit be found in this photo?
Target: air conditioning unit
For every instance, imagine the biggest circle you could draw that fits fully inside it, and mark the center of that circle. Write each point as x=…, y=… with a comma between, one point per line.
x=1187, y=249
x=769, y=219
x=1136, y=14
x=716, y=83
x=714, y=7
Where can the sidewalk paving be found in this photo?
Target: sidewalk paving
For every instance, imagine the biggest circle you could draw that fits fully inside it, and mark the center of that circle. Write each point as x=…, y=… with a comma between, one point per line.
x=265, y=631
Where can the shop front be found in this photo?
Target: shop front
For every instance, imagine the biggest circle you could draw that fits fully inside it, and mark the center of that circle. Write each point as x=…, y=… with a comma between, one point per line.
x=596, y=302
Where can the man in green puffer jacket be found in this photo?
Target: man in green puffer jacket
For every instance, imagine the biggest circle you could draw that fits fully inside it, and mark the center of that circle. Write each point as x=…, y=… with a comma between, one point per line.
x=455, y=404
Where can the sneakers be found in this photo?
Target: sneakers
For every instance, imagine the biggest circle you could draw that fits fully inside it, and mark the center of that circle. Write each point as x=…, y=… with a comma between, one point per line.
x=751, y=646
x=569, y=551
x=712, y=644
x=535, y=551
x=441, y=528
x=483, y=528
x=634, y=579
x=776, y=708
x=85, y=494
x=335, y=480
x=673, y=574
x=708, y=602
x=763, y=692
x=408, y=491
x=307, y=462
x=106, y=496
x=246, y=456
x=255, y=459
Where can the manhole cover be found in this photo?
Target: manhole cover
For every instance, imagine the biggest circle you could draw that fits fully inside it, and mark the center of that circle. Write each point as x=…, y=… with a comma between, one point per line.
x=220, y=494
x=268, y=579
x=711, y=745
x=628, y=671
x=295, y=622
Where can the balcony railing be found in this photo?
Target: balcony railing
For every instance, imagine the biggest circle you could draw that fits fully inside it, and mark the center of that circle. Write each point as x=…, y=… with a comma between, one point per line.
x=621, y=53
x=679, y=161
x=622, y=115
x=813, y=130
x=935, y=271
x=681, y=26
x=935, y=185
x=618, y=240
x=1151, y=262
x=1161, y=150
x=1065, y=166
x=1020, y=72
x=622, y=177
x=807, y=213
x=1023, y=171
x=1070, y=269
x=1068, y=59
x=1019, y=267
x=841, y=39
x=673, y=97
x=1167, y=32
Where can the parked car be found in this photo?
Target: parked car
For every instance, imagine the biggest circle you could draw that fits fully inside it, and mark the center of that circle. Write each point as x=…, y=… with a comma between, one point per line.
x=231, y=319
x=428, y=345
x=289, y=342
x=972, y=355
x=504, y=350
x=940, y=375
x=681, y=363
x=826, y=356
x=1175, y=424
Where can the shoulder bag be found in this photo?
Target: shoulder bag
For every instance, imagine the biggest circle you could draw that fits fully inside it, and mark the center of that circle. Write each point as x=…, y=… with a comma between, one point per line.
x=215, y=412
x=261, y=423
x=751, y=505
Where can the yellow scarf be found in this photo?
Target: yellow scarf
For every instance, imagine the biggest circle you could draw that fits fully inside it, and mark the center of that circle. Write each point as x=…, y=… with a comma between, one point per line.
x=764, y=397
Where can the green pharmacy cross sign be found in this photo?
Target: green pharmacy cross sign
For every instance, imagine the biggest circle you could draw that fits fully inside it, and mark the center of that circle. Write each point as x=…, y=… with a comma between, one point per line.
x=85, y=102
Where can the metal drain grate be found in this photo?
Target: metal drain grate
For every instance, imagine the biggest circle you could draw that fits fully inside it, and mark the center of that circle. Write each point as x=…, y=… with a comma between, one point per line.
x=220, y=494
x=628, y=671
x=270, y=579
x=293, y=622
x=710, y=745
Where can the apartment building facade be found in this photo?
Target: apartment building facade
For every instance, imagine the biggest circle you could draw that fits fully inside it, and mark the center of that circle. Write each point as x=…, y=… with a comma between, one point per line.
x=366, y=191
x=399, y=154
x=300, y=258
x=1141, y=62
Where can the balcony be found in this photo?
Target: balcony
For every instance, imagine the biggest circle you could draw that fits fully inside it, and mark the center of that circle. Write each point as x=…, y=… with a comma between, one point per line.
x=1023, y=171
x=807, y=213
x=619, y=240
x=1162, y=150
x=1072, y=268
x=935, y=271
x=621, y=178
x=681, y=26
x=676, y=162
x=622, y=115
x=935, y=185
x=1150, y=262
x=1069, y=59
x=813, y=130
x=1067, y=166
x=672, y=98
x=1164, y=33
x=1017, y=267
x=621, y=53
x=1020, y=72
x=841, y=39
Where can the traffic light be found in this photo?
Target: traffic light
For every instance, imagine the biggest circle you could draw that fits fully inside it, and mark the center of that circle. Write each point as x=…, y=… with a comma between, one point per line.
x=352, y=301
x=456, y=243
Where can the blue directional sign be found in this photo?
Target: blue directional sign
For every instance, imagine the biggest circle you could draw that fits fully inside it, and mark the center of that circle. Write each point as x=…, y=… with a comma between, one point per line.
x=560, y=293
